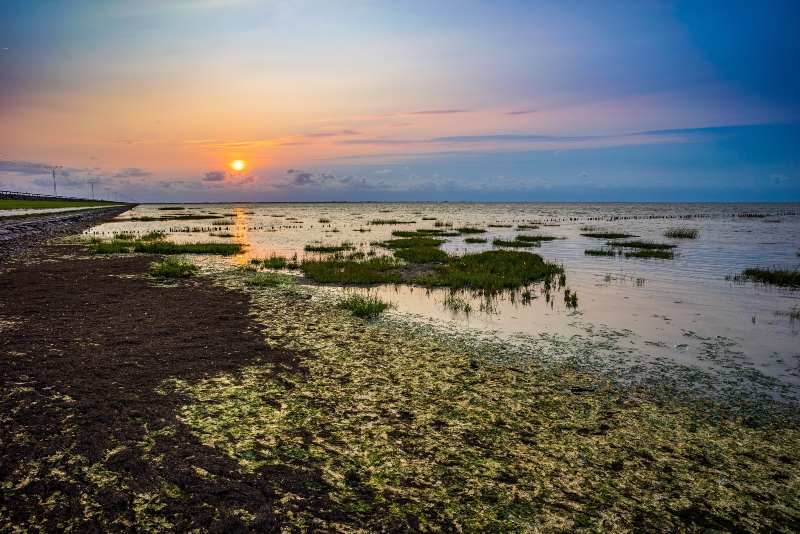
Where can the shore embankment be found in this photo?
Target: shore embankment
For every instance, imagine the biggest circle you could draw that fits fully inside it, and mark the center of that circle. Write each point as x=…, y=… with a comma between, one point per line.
x=19, y=235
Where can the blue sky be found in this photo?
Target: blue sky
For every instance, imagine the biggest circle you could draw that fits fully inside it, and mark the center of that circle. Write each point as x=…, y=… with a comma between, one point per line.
x=629, y=100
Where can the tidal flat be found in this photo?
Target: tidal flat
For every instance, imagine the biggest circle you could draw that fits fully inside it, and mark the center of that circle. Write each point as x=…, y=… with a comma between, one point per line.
x=244, y=380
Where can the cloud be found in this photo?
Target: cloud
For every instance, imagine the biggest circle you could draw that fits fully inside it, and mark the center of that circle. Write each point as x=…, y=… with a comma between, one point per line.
x=777, y=179
x=424, y=112
x=134, y=172
x=519, y=112
x=583, y=175
x=215, y=176
x=434, y=175
x=384, y=171
x=413, y=177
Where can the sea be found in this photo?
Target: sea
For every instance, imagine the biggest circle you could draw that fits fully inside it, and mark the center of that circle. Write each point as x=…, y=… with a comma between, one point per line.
x=686, y=321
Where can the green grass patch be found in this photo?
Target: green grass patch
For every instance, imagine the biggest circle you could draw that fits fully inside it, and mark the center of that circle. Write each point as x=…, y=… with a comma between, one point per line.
x=275, y=262
x=173, y=268
x=646, y=245
x=364, y=307
x=341, y=269
x=499, y=225
x=515, y=243
x=473, y=240
x=470, y=230
x=537, y=237
x=164, y=247
x=443, y=224
x=268, y=279
x=223, y=222
x=328, y=248
x=457, y=304
x=774, y=276
x=221, y=234
x=682, y=233
x=608, y=235
x=651, y=254
x=171, y=208
x=323, y=220
x=494, y=270
x=155, y=235
x=600, y=252
x=423, y=232
x=792, y=313
x=527, y=227
x=416, y=249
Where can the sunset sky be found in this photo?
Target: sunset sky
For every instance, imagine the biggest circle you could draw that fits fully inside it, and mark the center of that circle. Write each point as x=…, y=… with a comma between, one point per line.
x=389, y=100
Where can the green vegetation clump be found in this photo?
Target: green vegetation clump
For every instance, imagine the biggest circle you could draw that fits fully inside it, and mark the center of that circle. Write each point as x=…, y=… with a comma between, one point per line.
x=472, y=240
x=269, y=279
x=537, y=237
x=600, y=252
x=493, y=270
x=470, y=230
x=443, y=224
x=165, y=247
x=223, y=222
x=391, y=221
x=775, y=276
x=499, y=225
x=275, y=262
x=169, y=208
x=456, y=304
x=423, y=232
x=416, y=249
x=647, y=245
x=516, y=243
x=155, y=235
x=341, y=269
x=792, y=313
x=429, y=218
x=682, y=233
x=221, y=234
x=124, y=236
x=173, y=268
x=328, y=248
x=651, y=254
x=324, y=220
x=527, y=227
x=608, y=235
x=364, y=307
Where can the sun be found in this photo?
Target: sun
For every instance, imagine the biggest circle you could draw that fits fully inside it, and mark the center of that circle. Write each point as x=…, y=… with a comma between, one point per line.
x=237, y=165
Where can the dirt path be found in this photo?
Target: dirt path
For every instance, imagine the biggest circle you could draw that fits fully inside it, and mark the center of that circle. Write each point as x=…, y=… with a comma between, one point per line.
x=86, y=438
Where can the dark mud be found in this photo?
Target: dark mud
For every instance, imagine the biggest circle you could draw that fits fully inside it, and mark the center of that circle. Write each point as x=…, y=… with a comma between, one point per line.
x=87, y=439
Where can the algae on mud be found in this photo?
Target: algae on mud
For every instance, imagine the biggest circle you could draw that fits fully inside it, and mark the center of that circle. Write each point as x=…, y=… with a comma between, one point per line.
x=412, y=432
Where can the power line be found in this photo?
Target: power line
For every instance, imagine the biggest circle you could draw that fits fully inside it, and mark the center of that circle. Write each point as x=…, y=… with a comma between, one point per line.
x=92, y=184
x=54, y=168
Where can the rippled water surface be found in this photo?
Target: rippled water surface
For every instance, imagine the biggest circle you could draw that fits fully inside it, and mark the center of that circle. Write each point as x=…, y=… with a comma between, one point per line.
x=679, y=311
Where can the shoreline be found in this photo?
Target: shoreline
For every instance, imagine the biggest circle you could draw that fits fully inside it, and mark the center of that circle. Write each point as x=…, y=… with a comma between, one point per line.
x=323, y=422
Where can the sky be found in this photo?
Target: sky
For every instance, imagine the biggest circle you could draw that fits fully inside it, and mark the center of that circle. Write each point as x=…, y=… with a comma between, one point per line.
x=640, y=100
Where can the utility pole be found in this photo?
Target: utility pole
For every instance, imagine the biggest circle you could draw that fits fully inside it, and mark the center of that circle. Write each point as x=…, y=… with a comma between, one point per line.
x=108, y=193
x=54, y=168
x=92, y=184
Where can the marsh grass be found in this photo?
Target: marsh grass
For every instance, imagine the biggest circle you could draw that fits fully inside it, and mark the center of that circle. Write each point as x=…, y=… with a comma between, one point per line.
x=499, y=225
x=323, y=220
x=521, y=227
x=365, y=307
x=470, y=230
x=776, y=276
x=457, y=304
x=416, y=249
x=269, y=279
x=155, y=235
x=443, y=224
x=792, y=313
x=494, y=270
x=429, y=218
x=171, y=208
x=146, y=218
x=516, y=243
x=124, y=236
x=424, y=232
x=173, y=268
x=537, y=237
x=275, y=262
x=473, y=240
x=600, y=252
x=682, y=233
x=328, y=248
x=343, y=269
x=223, y=222
x=221, y=234
x=646, y=245
x=165, y=247
x=608, y=235
x=390, y=221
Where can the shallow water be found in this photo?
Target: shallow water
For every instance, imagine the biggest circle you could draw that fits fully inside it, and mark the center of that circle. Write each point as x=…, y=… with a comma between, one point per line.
x=679, y=311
